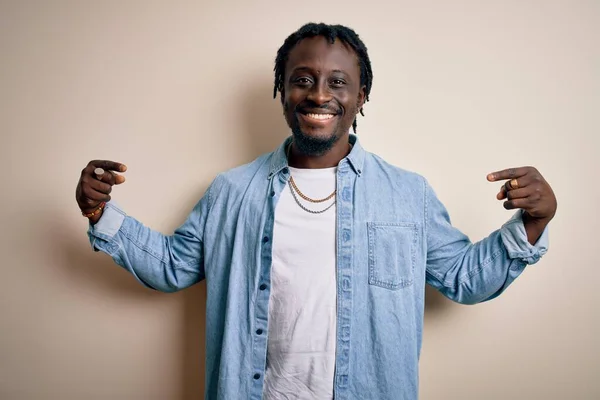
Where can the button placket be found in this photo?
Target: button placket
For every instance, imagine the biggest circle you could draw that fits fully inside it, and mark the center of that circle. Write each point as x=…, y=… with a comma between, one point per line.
x=260, y=318
x=344, y=278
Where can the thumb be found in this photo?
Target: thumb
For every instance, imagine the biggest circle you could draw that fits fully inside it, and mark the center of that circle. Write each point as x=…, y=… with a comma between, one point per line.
x=119, y=179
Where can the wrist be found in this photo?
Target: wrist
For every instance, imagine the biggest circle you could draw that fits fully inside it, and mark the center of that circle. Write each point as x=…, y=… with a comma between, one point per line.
x=94, y=214
x=529, y=219
x=95, y=218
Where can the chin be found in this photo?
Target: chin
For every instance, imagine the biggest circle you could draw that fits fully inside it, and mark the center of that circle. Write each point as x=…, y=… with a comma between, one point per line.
x=314, y=143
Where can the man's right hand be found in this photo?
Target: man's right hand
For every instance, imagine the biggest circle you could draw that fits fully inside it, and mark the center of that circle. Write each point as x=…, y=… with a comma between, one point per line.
x=92, y=190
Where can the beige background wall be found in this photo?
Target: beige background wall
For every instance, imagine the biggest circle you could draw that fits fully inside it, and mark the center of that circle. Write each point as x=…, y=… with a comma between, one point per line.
x=182, y=90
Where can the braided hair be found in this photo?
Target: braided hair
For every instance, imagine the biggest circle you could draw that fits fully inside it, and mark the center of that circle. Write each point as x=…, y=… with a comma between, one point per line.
x=331, y=33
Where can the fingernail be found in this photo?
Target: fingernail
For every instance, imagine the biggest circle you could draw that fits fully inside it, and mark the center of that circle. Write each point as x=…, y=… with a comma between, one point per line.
x=490, y=177
x=123, y=168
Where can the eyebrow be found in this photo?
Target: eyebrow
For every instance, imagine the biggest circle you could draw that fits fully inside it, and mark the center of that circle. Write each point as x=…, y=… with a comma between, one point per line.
x=305, y=68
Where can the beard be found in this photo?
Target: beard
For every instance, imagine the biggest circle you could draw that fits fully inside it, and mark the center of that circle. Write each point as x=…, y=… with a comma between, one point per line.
x=311, y=145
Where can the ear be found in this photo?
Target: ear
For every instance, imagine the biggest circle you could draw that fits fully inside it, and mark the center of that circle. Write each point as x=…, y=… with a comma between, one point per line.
x=360, y=100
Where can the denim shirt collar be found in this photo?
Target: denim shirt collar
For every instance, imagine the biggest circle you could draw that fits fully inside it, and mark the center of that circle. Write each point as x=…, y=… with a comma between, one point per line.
x=356, y=157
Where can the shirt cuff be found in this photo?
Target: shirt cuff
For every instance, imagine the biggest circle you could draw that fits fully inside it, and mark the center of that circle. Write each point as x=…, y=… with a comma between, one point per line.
x=108, y=225
x=514, y=237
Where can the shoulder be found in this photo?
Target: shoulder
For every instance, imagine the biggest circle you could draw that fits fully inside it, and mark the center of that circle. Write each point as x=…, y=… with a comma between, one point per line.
x=376, y=168
x=239, y=177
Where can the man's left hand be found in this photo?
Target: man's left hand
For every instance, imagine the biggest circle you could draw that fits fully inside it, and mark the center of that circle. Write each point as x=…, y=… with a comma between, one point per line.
x=526, y=188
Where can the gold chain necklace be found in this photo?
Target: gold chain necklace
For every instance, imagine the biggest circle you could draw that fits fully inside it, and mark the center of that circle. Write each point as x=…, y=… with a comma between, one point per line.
x=305, y=197
x=306, y=209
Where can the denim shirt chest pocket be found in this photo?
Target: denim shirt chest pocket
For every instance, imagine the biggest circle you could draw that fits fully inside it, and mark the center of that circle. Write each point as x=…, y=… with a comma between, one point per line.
x=392, y=254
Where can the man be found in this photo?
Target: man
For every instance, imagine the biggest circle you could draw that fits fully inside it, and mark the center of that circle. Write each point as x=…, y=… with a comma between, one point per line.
x=316, y=255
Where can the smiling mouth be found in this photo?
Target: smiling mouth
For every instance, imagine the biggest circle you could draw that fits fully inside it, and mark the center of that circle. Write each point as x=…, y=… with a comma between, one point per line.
x=320, y=118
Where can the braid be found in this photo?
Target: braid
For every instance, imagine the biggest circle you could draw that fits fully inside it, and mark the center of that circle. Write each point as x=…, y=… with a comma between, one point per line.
x=331, y=33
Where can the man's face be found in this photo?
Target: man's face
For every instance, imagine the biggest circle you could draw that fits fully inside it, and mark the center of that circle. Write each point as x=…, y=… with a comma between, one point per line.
x=322, y=93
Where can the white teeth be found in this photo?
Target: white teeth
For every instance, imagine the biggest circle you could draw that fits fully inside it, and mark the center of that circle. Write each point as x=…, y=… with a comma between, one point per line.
x=320, y=116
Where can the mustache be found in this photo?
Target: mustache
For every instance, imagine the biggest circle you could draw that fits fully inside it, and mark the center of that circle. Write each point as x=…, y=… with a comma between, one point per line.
x=309, y=105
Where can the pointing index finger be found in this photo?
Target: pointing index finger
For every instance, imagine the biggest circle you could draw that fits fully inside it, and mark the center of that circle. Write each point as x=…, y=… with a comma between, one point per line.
x=109, y=165
x=510, y=173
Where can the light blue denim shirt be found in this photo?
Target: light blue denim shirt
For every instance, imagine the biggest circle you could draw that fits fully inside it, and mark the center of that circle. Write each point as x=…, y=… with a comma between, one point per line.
x=393, y=236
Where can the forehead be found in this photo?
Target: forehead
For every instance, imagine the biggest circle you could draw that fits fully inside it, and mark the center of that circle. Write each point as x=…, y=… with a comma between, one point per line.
x=319, y=54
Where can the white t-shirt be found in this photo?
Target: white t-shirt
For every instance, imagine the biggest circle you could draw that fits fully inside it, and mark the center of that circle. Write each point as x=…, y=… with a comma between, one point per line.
x=302, y=307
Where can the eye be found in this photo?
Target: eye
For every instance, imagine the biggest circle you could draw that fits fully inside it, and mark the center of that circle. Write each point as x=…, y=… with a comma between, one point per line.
x=302, y=81
x=338, y=82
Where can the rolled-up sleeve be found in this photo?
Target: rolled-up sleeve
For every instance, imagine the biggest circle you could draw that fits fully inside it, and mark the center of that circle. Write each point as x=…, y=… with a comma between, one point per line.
x=163, y=262
x=514, y=237
x=107, y=227
x=469, y=272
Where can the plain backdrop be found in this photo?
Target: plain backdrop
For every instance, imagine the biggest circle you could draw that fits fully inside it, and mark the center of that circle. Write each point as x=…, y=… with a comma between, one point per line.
x=180, y=91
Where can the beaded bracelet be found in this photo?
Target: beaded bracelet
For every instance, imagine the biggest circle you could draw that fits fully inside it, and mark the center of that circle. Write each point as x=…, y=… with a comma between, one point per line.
x=95, y=212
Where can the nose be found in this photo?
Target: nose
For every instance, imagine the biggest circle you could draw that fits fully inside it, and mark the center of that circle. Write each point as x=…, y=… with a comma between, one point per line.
x=319, y=93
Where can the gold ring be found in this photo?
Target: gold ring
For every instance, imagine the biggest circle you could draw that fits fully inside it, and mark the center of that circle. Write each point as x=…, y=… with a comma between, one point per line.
x=513, y=183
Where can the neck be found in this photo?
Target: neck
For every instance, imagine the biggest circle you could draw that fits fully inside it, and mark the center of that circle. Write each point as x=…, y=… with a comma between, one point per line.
x=330, y=159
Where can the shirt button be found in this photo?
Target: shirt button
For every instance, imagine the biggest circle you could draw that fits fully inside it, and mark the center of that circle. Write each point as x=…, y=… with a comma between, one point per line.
x=259, y=331
x=265, y=239
x=346, y=284
x=273, y=193
x=285, y=171
x=256, y=376
x=263, y=287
